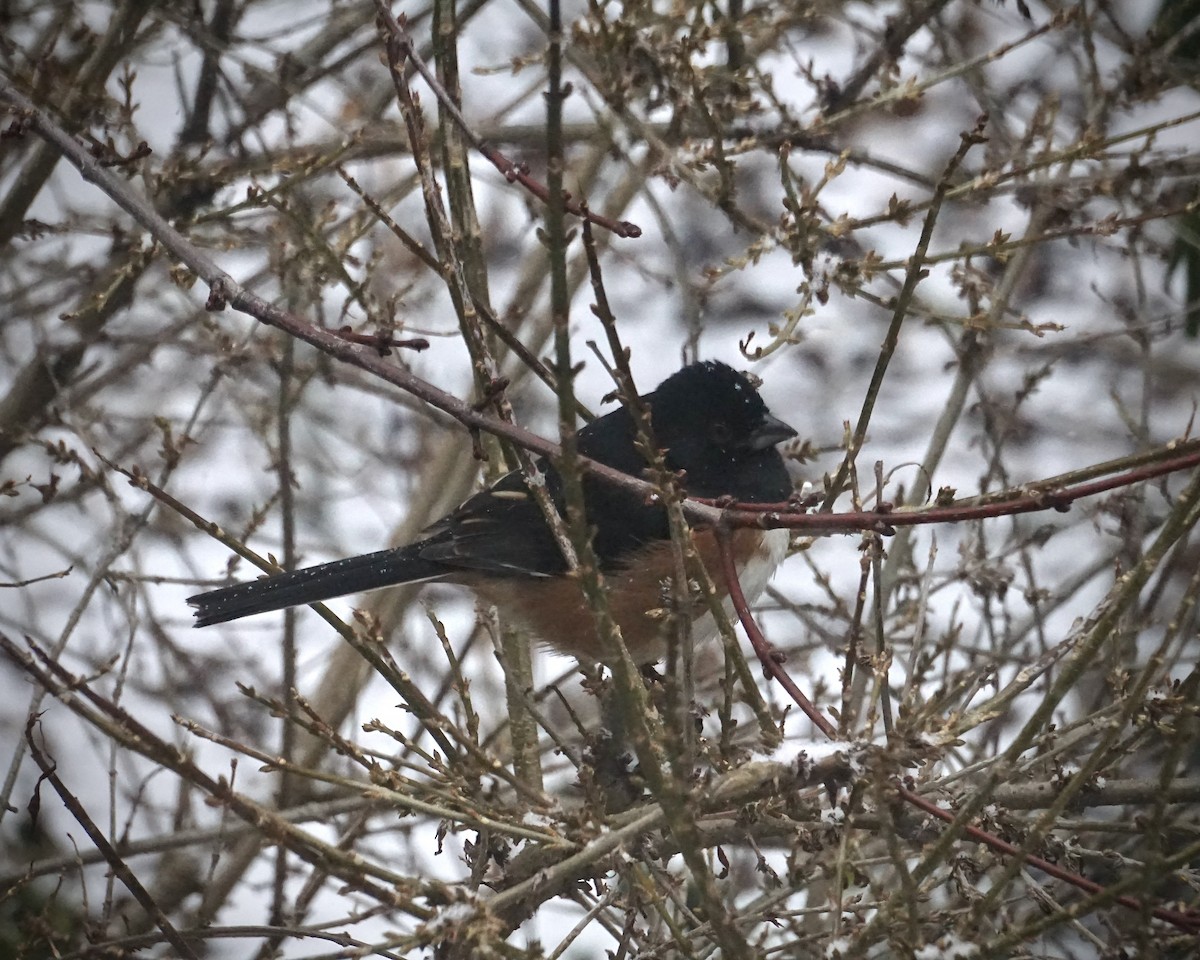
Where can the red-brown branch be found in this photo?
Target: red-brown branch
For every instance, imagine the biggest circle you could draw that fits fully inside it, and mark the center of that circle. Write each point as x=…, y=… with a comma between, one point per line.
x=775, y=515
x=1177, y=918
x=766, y=656
x=772, y=664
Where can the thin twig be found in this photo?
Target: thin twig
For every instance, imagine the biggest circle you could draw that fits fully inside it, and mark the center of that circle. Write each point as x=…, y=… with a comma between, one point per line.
x=915, y=273
x=511, y=172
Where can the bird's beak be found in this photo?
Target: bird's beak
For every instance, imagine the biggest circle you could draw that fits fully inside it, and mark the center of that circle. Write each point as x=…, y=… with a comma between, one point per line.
x=771, y=431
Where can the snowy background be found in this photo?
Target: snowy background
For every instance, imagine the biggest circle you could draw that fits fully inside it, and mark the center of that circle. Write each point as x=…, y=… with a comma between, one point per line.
x=1048, y=272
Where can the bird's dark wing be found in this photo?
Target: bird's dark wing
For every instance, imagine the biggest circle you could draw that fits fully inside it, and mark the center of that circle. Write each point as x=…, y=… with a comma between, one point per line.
x=501, y=530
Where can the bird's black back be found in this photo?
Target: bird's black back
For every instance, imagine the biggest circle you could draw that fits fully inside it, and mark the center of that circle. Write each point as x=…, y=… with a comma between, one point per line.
x=704, y=416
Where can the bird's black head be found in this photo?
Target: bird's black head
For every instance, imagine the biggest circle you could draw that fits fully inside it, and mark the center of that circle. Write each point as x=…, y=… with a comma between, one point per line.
x=717, y=429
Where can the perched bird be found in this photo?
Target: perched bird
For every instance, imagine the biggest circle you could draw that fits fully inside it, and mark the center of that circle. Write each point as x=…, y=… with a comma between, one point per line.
x=717, y=432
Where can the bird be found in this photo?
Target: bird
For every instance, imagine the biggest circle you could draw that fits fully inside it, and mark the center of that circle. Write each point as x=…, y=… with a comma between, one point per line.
x=718, y=436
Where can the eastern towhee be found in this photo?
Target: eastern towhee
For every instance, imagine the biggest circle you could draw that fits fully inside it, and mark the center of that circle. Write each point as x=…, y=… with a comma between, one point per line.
x=717, y=433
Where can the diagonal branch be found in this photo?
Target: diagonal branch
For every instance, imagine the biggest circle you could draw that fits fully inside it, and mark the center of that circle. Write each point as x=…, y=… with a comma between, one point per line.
x=118, y=866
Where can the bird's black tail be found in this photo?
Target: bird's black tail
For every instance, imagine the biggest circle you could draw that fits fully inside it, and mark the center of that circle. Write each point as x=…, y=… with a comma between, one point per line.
x=313, y=584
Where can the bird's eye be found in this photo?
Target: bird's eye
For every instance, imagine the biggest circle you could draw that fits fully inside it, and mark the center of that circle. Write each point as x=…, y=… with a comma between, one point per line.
x=721, y=433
